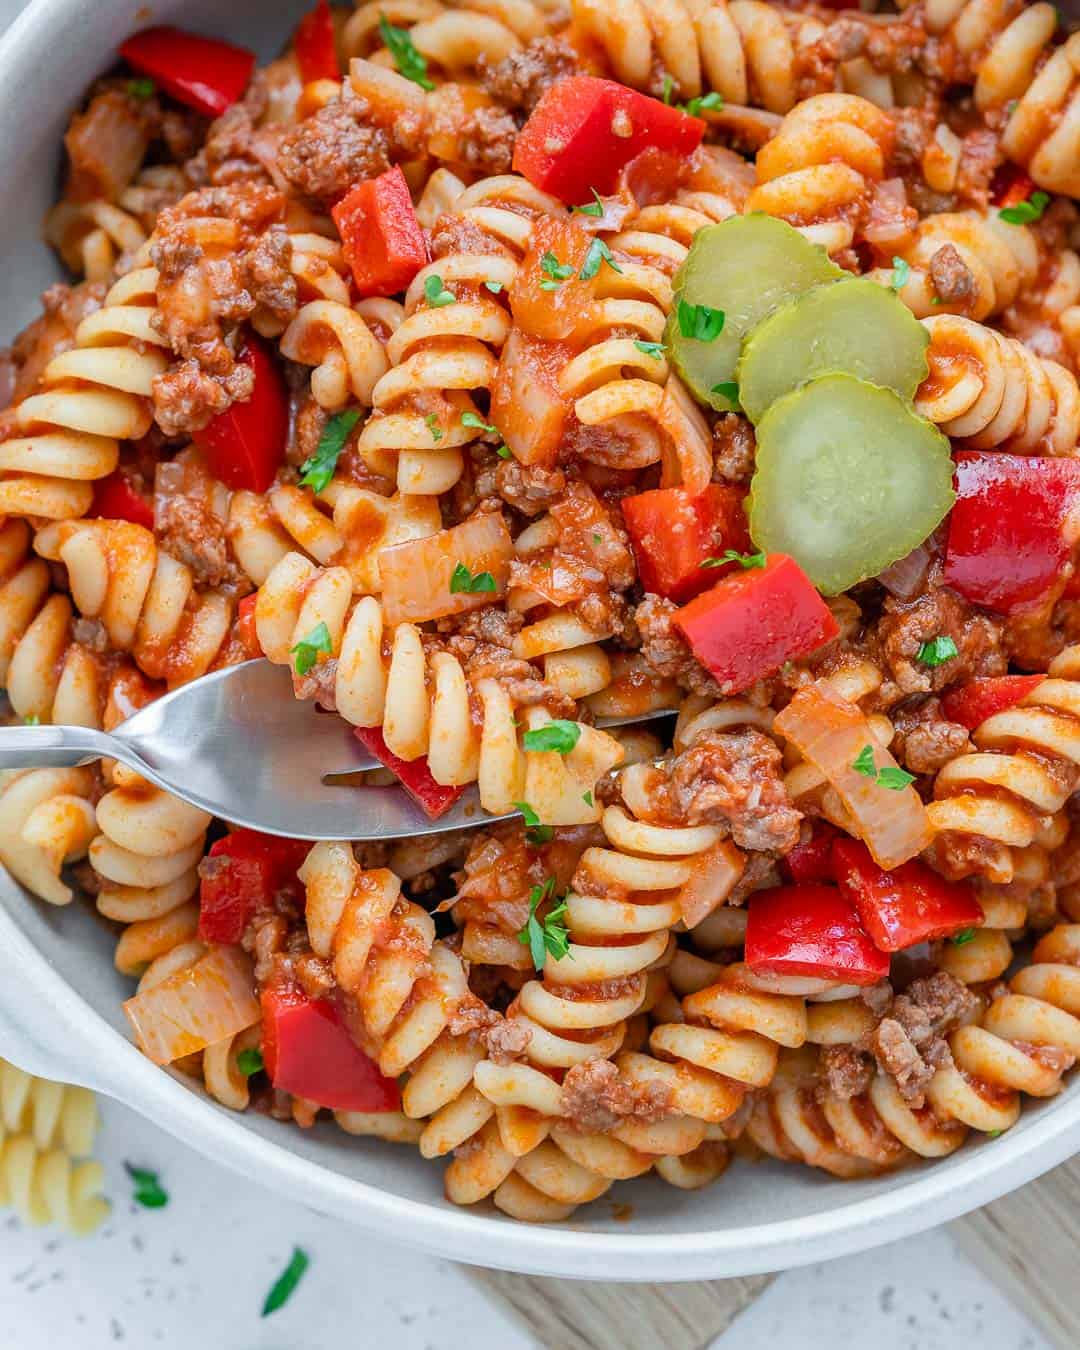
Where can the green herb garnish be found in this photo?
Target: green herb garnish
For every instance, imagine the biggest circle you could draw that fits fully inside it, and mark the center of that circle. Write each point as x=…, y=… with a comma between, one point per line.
x=470, y=419
x=587, y=798
x=729, y=390
x=937, y=651
x=553, y=268
x=436, y=294
x=559, y=735
x=504, y=452
x=535, y=833
x=319, y=469
x=711, y=102
x=593, y=208
x=462, y=582
x=407, y=59
x=285, y=1285
x=431, y=421
x=33, y=720
x=308, y=648
x=142, y=88
x=668, y=88
x=901, y=270
x=653, y=349
x=547, y=936
x=493, y=286
x=962, y=938
x=149, y=1191
x=745, y=560
x=894, y=779
x=1027, y=212
x=598, y=253
x=864, y=762
x=700, y=322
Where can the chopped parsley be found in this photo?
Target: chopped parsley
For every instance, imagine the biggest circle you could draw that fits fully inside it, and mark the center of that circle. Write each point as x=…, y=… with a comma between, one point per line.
x=142, y=88
x=587, y=798
x=890, y=777
x=992, y=1134
x=962, y=938
x=319, y=469
x=407, y=59
x=711, y=102
x=504, y=452
x=307, y=649
x=493, y=286
x=548, y=936
x=33, y=720
x=901, y=270
x=700, y=322
x=431, y=421
x=668, y=88
x=597, y=539
x=593, y=208
x=555, y=271
x=653, y=349
x=149, y=1191
x=937, y=651
x=471, y=419
x=285, y=1285
x=1026, y=212
x=436, y=294
x=864, y=762
x=598, y=253
x=250, y=1062
x=558, y=735
x=745, y=560
x=463, y=582
x=535, y=833
x=729, y=390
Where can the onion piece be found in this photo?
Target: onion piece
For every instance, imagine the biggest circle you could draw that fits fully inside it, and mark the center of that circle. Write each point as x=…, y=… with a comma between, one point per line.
x=198, y=1006
x=831, y=733
x=416, y=575
x=713, y=875
x=690, y=460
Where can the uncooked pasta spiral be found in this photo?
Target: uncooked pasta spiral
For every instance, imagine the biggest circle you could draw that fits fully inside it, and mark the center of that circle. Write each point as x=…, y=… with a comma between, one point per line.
x=1005, y=796
x=819, y=169
x=994, y=393
x=1043, y=132
x=54, y=1115
x=67, y=433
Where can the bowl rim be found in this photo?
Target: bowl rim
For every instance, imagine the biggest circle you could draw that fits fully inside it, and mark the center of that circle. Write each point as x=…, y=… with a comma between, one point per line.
x=51, y=1028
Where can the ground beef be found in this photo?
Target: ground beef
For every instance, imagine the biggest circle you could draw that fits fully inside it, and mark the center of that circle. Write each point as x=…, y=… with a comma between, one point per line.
x=590, y=532
x=230, y=152
x=519, y=79
x=847, y=1072
x=980, y=155
x=924, y=740
x=596, y=1099
x=471, y=1017
x=732, y=778
x=268, y=277
x=319, y=684
x=909, y=1042
x=507, y=1040
x=953, y=279
x=90, y=633
x=665, y=649
x=325, y=155
x=529, y=488
x=486, y=140
x=760, y=872
x=192, y=533
x=734, y=448
x=186, y=398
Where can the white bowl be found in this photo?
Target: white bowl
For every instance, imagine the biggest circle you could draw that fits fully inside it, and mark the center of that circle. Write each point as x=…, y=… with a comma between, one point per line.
x=60, y=996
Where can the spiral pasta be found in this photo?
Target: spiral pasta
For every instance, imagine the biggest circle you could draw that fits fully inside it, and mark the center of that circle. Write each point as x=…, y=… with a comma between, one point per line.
x=1043, y=132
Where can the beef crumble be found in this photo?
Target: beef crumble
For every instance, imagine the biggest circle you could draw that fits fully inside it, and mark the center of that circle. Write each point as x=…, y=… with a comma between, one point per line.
x=909, y=1042
x=324, y=156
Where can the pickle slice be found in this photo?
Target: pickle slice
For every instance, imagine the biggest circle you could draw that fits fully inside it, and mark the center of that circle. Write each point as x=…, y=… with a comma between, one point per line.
x=746, y=266
x=849, y=479
x=853, y=326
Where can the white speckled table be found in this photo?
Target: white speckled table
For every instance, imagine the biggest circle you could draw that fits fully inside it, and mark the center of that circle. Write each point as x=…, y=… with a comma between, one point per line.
x=195, y=1274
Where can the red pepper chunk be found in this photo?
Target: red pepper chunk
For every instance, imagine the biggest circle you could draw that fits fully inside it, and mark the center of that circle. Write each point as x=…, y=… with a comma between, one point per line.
x=1010, y=185
x=584, y=131
x=414, y=775
x=245, y=626
x=811, y=861
x=245, y=870
x=673, y=534
x=1012, y=528
x=307, y=1051
x=754, y=620
x=908, y=905
x=203, y=73
x=245, y=444
x=115, y=498
x=316, y=48
x=811, y=931
x=383, y=242
x=972, y=703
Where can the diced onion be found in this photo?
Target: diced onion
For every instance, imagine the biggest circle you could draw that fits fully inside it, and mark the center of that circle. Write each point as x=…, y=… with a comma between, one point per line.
x=712, y=878
x=198, y=1006
x=416, y=575
x=690, y=462
x=831, y=733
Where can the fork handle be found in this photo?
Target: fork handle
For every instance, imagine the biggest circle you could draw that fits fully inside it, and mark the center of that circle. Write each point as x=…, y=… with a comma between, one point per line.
x=56, y=747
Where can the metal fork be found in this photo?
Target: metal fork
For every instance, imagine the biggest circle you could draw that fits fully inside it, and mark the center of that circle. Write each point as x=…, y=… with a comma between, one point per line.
x=238, y=744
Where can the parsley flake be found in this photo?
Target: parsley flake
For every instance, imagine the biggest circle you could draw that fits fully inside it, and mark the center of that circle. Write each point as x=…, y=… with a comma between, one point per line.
x=727, y=389
x=653, y=349
x=285, y=1285
x=548, y=936
x=962, y=938
x=504, y=452
x=553, y=268
x=436, y=294
x=894, y=779
x=558, y=735
x=700, y=322
x=33, y=720
x=308, y=648
x=587, y=798
x=471, y=419
x=745, y=560
x=593, y=208
x=431, y=421
x=864, y=762
x=319, y=469
x=1026, y=212
x=250, y=1062
x=535, y=833
x=901, y=270
x=937, y=651
x=407, y=59
x=141, y=89
x=598, y=253
x=992, y=1134
x=149, y=1191
x=462, y=582
x=668, y=88
x=493, y=286
x=711, y=102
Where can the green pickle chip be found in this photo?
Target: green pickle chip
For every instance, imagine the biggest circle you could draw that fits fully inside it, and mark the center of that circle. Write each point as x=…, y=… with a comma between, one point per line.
x=849, y=479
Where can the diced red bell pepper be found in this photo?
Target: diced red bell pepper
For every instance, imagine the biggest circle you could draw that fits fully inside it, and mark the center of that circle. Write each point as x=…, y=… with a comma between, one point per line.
x=909, y=905
x=251, y=867
x=413, y=774
x=673, y=534
x=1010, y=185
x=308, y=1052
x=1013, y=527
x=382, y=239
x=811, y=861
x=203, y=73
x=245, y=444
x=316, y=47
x=116, y=498
x=245, y=626
x=754, y=620
x=813, y=931
x=972, y=703
x=585, y=130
